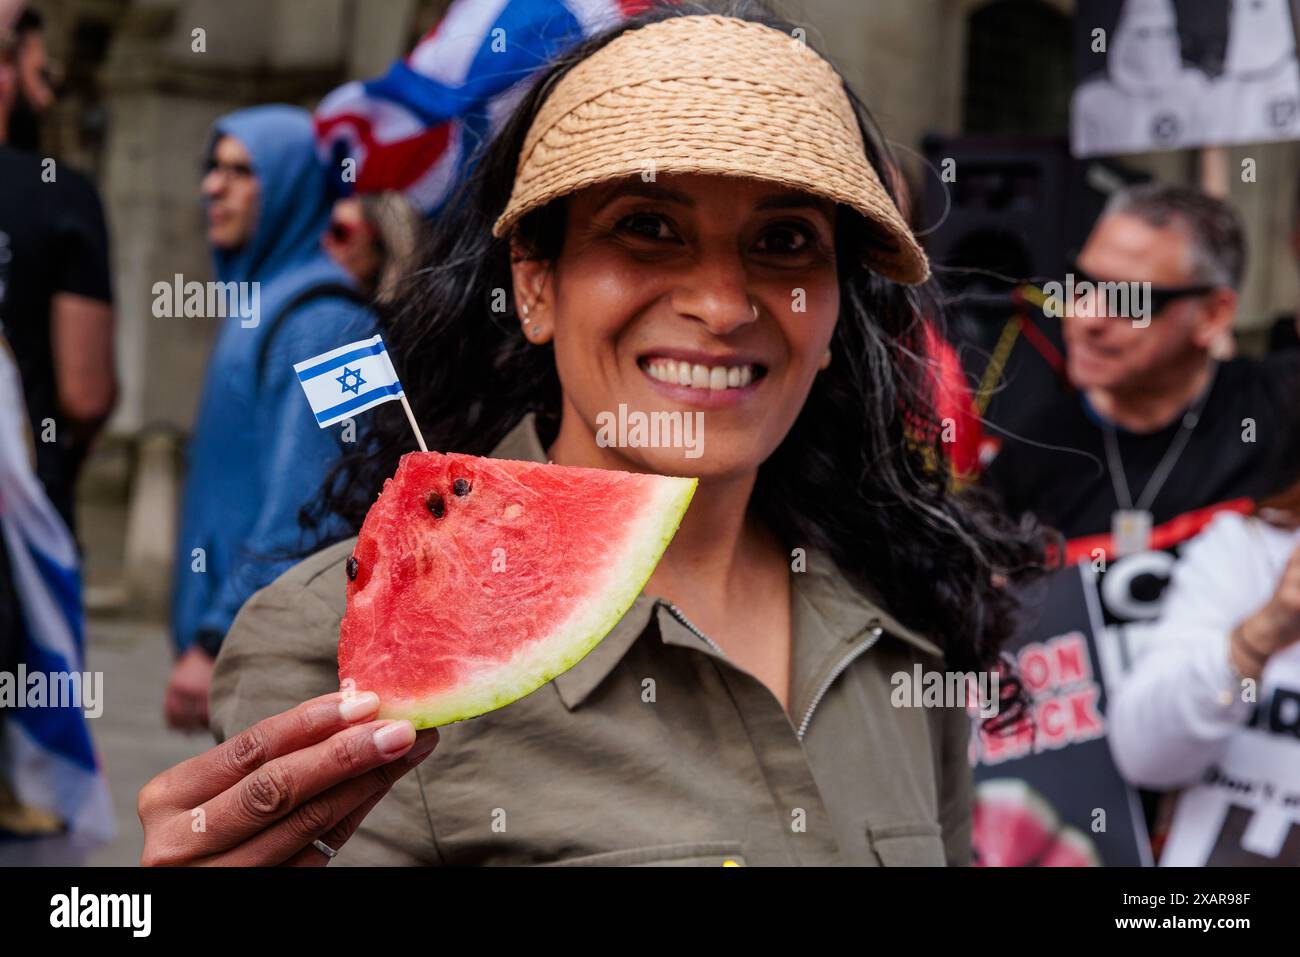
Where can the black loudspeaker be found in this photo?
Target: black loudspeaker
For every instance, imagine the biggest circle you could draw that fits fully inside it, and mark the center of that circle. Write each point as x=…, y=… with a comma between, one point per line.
x=997, y=213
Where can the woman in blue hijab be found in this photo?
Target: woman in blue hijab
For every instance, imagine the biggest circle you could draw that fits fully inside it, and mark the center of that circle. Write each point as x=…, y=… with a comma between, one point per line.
x=256, y=455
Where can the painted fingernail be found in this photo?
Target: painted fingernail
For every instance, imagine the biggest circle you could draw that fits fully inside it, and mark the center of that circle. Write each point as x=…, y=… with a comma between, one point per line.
x=395, y=737
x=357, y=706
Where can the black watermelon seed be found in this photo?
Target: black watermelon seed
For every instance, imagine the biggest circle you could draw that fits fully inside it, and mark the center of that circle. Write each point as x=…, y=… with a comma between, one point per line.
x=460, y=486
x=352, y=568
x=436, y=505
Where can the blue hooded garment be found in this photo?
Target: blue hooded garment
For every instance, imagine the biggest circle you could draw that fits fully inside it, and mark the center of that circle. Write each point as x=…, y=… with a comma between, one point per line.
x=256, y=455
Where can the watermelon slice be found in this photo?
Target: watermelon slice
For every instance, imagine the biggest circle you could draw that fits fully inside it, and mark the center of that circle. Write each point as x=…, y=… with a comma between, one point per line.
x=1015, y=826
x=475, y=581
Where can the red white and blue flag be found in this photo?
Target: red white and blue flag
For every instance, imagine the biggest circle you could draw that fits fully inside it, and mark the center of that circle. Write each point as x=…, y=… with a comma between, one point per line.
x=417, y=128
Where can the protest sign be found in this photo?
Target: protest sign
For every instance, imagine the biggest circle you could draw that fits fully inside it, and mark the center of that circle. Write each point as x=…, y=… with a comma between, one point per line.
x=1169, y=74
x=1048, y=793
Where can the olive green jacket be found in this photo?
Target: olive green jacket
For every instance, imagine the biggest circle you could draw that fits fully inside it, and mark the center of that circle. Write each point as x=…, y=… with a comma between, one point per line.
x=654, y=749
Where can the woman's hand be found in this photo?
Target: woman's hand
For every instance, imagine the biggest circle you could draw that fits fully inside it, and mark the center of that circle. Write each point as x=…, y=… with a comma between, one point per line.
x=261, y=798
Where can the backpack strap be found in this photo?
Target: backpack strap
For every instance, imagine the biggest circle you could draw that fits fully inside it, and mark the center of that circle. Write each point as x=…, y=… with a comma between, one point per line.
x=325, y=290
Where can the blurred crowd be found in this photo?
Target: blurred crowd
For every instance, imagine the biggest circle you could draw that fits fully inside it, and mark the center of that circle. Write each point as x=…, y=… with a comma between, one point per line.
x=1169, y=452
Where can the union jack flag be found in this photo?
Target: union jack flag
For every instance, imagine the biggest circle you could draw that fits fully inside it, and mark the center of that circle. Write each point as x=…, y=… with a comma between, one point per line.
x=416, y=129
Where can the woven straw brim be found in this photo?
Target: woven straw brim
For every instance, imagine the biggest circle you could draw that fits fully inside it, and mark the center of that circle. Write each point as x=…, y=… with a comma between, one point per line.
x=710, y=95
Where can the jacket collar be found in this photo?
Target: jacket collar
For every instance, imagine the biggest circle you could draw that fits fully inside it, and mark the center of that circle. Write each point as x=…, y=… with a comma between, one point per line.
x=829, y=616
x=522, y=443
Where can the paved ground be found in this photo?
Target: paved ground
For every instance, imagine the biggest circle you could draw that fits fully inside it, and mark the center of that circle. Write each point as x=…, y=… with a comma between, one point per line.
x=135, y=656
x=132, y=741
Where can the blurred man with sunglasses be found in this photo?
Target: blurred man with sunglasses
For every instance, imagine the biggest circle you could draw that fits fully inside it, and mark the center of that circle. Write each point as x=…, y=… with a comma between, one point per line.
x=1155, y=434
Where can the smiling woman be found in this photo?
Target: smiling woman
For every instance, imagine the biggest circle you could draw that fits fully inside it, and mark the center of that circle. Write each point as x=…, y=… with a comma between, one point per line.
x=684, y=215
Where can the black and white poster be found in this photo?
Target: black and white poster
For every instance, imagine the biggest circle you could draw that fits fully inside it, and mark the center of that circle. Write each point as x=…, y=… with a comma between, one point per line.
x=1170, y=74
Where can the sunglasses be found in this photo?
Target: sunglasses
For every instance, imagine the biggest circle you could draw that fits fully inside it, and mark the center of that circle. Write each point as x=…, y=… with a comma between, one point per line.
x=342, y=232
x=1160, y=297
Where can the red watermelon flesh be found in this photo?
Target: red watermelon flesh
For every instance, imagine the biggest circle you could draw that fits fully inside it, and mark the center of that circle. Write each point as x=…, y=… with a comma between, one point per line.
x=1072, y=848
x=475, y=581
x=1014, y=826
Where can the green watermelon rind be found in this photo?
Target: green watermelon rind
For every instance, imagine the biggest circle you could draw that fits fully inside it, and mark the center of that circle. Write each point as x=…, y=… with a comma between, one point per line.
x=594, y=622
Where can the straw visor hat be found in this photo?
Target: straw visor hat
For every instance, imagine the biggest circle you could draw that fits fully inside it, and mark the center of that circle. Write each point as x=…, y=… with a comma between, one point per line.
x=710, y=94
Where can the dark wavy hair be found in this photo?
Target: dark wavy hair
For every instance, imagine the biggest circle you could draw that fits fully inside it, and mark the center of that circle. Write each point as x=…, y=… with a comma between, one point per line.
x=856, y=474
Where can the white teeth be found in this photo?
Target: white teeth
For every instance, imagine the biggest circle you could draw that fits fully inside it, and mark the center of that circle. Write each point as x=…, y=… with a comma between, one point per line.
x=697, y=376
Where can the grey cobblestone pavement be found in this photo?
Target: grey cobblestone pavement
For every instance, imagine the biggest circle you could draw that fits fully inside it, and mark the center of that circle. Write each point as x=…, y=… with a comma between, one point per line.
x=134, y=654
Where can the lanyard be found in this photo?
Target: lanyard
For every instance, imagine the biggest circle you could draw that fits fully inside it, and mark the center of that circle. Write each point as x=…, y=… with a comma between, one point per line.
x=1115, y=463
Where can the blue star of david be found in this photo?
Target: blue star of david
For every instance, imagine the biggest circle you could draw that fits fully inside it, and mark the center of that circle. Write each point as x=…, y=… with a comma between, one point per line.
x=355, y=375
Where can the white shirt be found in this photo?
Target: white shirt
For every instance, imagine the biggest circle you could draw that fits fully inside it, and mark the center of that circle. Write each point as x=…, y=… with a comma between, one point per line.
x=1174, y=713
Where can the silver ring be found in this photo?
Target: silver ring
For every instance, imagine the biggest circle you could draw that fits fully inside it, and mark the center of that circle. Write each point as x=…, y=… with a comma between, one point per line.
x=325, y=849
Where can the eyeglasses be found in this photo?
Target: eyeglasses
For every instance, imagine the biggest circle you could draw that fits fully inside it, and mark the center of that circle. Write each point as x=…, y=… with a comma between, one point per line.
x=237, y=170
x=1160, y=297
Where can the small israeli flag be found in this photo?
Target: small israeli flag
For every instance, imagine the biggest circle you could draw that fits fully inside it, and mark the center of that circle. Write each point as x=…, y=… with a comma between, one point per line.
x=347, y=380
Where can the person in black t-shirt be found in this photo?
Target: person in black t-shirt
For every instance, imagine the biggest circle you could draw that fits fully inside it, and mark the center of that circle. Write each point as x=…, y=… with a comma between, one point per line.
x=55, y=302
x=1060, y=468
